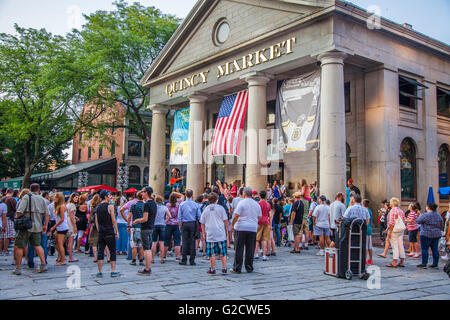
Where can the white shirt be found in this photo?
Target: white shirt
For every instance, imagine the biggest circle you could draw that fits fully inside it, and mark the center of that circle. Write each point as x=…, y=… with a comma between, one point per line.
x=3, y=211
x=213, y=218
x=322, y=212
x=249, y=211
x=337, y=209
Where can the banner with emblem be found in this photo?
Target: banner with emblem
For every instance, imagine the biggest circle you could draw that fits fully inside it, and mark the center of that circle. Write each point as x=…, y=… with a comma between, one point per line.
x=298, y=114
x=180, y=137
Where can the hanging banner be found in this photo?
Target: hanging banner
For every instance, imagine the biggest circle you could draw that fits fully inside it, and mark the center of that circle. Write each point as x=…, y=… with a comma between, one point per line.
x=180, y=137
x=298, y=114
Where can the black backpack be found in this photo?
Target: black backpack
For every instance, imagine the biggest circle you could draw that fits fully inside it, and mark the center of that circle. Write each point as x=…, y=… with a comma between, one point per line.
x=223, y=202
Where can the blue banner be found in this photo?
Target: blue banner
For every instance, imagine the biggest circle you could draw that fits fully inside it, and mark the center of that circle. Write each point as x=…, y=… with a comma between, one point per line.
x=180, y=137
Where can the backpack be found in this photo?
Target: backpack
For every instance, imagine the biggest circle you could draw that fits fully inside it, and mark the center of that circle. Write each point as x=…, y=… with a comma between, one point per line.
x=223, y=202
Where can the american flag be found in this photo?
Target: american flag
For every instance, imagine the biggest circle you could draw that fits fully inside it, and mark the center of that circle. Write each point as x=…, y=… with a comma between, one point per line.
x=229, y=125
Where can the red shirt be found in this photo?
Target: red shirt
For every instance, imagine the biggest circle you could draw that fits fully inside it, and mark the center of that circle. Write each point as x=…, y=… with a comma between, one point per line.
x=264, y=220
x=233, y=192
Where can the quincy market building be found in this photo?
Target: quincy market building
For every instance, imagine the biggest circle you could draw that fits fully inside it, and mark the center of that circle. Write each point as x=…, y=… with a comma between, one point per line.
x=385, y=118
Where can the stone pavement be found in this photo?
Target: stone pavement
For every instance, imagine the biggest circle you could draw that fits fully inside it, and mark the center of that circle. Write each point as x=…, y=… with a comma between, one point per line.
x=286, y=276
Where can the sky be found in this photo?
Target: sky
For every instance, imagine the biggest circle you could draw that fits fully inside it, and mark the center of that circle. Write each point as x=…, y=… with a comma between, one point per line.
x=430, y=17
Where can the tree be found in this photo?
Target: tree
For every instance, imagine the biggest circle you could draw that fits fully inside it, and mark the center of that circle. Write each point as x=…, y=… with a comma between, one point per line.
x=43, y=85
x=121, y=45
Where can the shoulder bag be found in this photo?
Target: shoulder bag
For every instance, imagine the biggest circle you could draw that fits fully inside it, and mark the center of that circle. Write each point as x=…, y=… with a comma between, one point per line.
x=24, y=222
x=399, y=225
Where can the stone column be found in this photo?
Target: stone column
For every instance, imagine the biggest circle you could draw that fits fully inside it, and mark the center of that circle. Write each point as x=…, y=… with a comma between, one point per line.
x=256, y=150
x=158, y=149
x=332, y=125
x=195, y=179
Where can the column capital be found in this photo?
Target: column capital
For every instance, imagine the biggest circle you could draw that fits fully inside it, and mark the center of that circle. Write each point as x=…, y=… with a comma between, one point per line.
x=256, y=78
x=159, y=108
x=197, y=97
x=332, y=57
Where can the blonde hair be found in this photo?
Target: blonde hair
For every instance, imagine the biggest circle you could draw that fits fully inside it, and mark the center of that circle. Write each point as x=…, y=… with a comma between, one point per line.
x=59, y=202
x=95, y=201
x=395, y=202
x=23, y=193
x=159, y=199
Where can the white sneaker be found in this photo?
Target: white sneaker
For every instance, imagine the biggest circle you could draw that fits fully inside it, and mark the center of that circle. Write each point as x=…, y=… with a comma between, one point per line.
x=445, y=258
x=264, y=258
x=256, y=257
x=320, y=253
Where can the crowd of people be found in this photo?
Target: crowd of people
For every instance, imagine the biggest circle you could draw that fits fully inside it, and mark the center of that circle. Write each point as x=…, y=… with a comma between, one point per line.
x=256, y=222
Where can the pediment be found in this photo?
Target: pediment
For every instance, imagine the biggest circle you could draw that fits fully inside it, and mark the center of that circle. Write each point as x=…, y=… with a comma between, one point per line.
x=195, y=40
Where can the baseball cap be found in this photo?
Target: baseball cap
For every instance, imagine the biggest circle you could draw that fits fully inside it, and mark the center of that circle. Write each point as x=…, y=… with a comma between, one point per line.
x=254, y=192
x=149, y=190
x=104, y=194
x=350, y=180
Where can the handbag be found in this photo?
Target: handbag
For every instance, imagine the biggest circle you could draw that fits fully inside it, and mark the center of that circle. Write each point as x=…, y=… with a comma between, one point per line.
x=399, y=225
x=24, y=222
x=290, y=230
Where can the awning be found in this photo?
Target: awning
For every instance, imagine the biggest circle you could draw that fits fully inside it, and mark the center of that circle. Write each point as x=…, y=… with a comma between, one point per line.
x=444, y=191
x=408, y=95
x=413, y=82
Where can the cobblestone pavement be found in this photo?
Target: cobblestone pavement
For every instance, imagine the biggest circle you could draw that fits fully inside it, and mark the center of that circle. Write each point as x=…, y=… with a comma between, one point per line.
x=286, y=276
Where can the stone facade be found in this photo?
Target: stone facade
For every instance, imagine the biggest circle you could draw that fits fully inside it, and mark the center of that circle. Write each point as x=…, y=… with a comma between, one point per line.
x=333, y=36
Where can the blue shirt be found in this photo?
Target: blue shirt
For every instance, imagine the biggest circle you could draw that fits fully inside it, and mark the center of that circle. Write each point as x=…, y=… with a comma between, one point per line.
x=276, y=192
x=357, y=211
x=432, y=224
x=369, y=227
x=189, y=211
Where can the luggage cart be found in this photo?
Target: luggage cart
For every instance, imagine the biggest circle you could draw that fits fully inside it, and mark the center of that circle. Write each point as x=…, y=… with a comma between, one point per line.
x=351, y=248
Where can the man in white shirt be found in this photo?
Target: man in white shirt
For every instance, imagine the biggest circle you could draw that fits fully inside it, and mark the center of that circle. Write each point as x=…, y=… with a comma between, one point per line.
x=214, y=222
x=321, y=222
x=245, y=222
x=337, y=209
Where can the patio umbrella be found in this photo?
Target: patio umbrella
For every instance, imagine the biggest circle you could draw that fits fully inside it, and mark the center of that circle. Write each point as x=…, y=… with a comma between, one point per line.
x=430, y=198
x=444, y=191
x=99, y=187
x=131, y=190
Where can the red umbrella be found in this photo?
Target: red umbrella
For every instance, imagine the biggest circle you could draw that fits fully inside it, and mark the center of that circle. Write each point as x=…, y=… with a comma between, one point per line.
x=131, y=190
x=100, y=187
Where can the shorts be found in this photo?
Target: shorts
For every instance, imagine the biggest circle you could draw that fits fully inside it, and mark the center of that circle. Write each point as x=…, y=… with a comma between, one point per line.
x=9, y=232
x=24, y=237
x=413, y=236
x=159, y=233
x=172, y=232
x=218, y=248
x=135, y=238
x=263, y=233
x=62, y=232
x=146, y=238
x=318, y=231
x=369, y=245
x=301, y=228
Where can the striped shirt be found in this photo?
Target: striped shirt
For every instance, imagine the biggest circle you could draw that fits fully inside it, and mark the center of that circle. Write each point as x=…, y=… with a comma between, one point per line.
x=412, y=225
x=394, y=214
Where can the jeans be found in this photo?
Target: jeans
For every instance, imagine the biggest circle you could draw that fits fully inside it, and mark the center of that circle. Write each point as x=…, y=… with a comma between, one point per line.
x=121, y=243
x=31, y=251
x=106, y=240
x=277, y=234
x=245, y=240
x=172, y=232
x=426, y=243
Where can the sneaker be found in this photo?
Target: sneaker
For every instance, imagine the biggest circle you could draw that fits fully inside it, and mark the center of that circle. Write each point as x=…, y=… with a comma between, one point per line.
x=211, y=271
x=141, y=262
x=421, y=266
x=235, y=272
x=412, y=254
x=264, y=258
x=320, y=253
x=256, y=257
x=369, y=262
x=274, y=254
x=417, y=255
x=133, y=262
x=115, y=274
x=17, y=272
x=434, y=267
x=42, y=268
x=224, y=270
x=99, y=275
x=144, y=272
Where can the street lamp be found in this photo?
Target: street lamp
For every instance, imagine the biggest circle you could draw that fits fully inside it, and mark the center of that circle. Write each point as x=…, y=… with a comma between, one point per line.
x=122, y=175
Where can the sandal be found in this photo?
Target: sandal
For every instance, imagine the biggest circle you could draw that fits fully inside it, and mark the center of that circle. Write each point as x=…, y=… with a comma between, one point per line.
x=401, y=265
x=73, y=260
x=60, y=264
x=391, y=266
x=162, y=261
x=380, y=255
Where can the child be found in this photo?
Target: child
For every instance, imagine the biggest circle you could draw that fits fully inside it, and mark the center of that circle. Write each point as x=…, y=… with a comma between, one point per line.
x=214, y=221
x=413, y=228
x=369, y=247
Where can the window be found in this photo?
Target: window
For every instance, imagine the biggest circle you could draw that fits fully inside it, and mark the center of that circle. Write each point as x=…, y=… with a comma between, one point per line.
x=79, y=154
x=408, y=169
x=89, y=153
x=100, y=152
x=271, y=110
x=347, y=97
x=134, y=175
x=408, y=92
x=443, y=102
x=113, y=148
x=444, y=168
x=146, y=171
x=348, y=162
x=114, y=127
x=146, y=147
x=134, y=148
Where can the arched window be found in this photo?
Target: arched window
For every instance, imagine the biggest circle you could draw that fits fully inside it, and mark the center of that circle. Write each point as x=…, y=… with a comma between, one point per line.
x=408, y=169
x=146, y=176
x=348, y=162
x=444, y=168
x=134, y=175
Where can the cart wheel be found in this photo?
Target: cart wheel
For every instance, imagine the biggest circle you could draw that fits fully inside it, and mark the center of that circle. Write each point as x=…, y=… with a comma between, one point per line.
x=365, y=276
x=349, y=275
